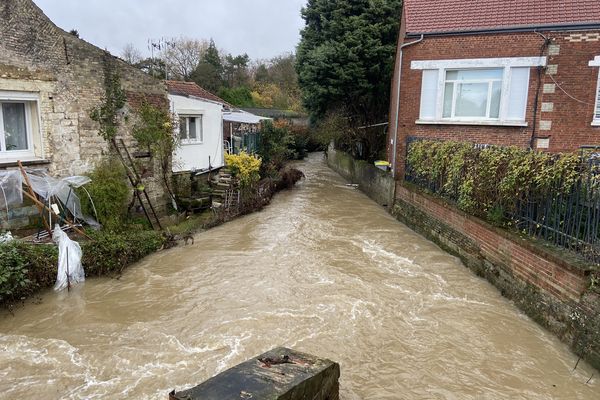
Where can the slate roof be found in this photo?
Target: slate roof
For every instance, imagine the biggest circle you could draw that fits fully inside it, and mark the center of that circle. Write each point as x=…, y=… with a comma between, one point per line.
x=429, y=16
x=188, y=89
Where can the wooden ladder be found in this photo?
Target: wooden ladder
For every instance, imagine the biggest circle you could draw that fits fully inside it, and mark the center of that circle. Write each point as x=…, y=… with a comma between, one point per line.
x=135, y=179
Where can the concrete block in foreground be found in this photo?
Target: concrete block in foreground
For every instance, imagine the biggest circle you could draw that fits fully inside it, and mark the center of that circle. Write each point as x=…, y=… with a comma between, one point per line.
x=279, y=374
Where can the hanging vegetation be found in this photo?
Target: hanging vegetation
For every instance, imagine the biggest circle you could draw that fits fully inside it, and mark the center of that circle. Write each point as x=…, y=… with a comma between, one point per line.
x=107, y=113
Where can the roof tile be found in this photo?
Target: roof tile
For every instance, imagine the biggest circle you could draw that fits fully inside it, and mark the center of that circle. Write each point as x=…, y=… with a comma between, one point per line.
x=427, y=16
x=180, y=88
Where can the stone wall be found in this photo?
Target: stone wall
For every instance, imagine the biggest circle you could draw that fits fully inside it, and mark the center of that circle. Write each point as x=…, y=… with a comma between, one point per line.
x=67, y=75
x=551, y=287
x=377, y=184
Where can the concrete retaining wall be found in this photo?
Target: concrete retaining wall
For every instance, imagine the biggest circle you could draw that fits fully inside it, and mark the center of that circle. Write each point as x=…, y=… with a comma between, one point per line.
x=377, y=184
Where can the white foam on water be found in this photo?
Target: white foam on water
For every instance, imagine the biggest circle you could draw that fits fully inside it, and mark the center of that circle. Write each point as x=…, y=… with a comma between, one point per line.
x=448, y=298
x=235, y=347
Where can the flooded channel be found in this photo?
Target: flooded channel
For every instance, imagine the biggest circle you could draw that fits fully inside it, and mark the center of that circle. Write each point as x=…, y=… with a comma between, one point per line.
x=323, y=270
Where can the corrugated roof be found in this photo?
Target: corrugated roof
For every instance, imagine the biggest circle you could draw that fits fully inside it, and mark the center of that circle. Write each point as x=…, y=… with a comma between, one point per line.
x=180, y=88
x=427, y=16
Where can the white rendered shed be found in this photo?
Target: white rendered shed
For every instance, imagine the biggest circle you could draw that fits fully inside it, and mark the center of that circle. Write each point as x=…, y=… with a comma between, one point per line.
x=199, y=129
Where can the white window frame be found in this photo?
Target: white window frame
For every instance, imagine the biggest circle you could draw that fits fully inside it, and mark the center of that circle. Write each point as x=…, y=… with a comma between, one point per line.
x=199, y=129
x=506, y=64
x=596, y=116
x=30, y=100
x=457, y=82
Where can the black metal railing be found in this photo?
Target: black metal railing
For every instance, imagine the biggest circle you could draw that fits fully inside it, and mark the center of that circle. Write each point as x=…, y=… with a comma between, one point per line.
x=568, y=219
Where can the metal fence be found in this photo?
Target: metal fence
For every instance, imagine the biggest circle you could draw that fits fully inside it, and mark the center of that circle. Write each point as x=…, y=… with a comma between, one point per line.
x=565, y=219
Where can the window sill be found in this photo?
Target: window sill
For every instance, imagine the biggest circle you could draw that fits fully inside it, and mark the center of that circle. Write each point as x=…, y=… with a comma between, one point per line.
x=467, y=122
x=190, y=142
x=596, y=123
x=6, y=163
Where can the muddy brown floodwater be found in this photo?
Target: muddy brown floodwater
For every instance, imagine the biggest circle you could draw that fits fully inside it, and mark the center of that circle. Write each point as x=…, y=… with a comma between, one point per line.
x=323, y=270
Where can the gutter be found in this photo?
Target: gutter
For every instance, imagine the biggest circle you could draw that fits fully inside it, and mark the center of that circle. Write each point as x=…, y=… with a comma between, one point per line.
x=512, y=29
x=397, y=112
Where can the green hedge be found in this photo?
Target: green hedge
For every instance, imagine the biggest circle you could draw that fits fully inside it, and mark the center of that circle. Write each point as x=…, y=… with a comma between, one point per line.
x=26, y=268
x=489, y=182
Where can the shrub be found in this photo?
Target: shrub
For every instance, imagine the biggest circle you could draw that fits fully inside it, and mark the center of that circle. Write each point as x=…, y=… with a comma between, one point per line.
x=276, y=147
x=111, y=252
x=109, y=191
x=24, y=268
x=13, y=272
x=245, y=167
x=490, y=182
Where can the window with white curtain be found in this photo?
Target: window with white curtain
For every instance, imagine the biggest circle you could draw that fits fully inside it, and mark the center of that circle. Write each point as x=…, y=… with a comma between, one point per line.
x=475, y=91
x=18, y=124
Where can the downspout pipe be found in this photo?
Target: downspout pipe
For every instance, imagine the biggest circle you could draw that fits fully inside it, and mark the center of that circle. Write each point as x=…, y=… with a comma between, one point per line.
x=397, y=111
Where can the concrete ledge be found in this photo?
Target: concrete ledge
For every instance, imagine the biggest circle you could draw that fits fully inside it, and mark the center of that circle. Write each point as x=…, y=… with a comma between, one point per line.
x=279, y=374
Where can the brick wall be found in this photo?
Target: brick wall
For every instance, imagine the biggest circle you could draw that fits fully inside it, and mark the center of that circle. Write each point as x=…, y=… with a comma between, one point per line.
x=561, y=119
x=549, y=286
x=67, y=73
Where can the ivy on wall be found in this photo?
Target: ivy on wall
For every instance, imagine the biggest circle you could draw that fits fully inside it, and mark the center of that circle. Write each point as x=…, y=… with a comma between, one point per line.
x=106, y=114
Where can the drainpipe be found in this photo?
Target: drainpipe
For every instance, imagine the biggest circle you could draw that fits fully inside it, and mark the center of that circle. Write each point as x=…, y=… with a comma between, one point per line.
x=397, y=111
x=543, y=48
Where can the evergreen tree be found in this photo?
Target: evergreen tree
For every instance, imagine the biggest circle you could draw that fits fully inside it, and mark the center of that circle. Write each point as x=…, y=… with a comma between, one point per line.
x=209, y=72
x=346, y=55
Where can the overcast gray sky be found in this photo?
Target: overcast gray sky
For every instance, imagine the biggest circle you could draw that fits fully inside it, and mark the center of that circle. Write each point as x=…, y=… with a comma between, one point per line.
x=261, y=28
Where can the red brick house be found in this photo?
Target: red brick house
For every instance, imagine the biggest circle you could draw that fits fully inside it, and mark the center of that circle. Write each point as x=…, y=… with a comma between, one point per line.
x=522, y=73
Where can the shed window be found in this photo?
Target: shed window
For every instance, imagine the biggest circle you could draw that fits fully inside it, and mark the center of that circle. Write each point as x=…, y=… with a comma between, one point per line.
x=190, y=129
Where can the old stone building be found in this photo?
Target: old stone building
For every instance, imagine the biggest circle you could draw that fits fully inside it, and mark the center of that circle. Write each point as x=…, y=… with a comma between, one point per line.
x=50, y=80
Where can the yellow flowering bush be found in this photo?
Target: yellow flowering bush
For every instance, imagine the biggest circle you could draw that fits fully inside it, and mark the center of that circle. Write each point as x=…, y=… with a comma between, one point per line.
x=244, y=166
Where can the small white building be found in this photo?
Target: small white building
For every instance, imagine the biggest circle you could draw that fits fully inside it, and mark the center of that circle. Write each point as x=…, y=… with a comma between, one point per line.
x=200, y=127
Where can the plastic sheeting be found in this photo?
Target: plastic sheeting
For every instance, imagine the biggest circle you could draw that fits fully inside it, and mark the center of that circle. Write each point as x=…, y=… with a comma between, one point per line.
x=70, y=270
x=47, y=187
x=10, y=189
x=6, y=237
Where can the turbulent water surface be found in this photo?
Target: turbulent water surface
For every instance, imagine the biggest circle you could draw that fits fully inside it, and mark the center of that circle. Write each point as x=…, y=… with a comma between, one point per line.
x=323, y=270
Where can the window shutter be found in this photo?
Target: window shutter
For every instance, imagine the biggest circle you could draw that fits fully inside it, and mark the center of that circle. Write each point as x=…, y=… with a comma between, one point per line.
x=517, y=94
x=597, y=113
x=429, y=87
